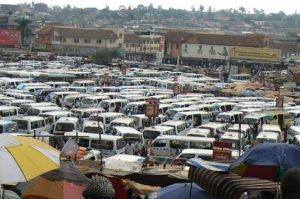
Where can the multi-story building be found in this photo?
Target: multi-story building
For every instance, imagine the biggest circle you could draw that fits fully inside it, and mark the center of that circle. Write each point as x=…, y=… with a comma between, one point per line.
x=141, y=46
x=66, y=40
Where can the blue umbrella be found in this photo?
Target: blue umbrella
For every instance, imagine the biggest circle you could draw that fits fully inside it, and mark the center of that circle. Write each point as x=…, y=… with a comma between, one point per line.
x=182, y=191
x=267, y=161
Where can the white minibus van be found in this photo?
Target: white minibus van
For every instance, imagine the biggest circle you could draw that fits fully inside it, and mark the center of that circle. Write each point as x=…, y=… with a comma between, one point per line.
x=171, y=146
x=110, y=144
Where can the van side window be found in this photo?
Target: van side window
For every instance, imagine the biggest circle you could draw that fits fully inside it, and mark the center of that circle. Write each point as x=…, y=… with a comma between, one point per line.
x=83, y=142
x=4, y=113
x=159, y=143
x=176, y=144
x=200, y=145
x=34, y=125
x=41, y=123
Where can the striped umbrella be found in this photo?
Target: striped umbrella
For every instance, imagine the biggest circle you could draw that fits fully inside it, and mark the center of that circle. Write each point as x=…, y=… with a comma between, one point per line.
x=24, y=158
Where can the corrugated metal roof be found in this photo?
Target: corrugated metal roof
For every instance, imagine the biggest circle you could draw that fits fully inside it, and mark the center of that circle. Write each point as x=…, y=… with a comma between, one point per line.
x=224, y=185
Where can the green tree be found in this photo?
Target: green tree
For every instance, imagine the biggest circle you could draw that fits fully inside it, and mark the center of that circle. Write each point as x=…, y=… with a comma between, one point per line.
x=201, y=8
x=104, y=56
x=23, y=26
x=242, y=9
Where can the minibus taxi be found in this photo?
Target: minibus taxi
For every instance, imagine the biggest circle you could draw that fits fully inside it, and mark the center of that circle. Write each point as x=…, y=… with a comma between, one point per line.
x=105, y=118
x=110, y=144
x=229, y=117
x=123, y=121
x=273, y=128
x=25, y=107
x=194, y=118
x=111, y=105
x=92, y=101
x=216, y=128
x=142, y=121
x=129, y=134
x=179, y=126
x=35, y=111
x=7, y=126
x=292, y=132
x=10, y=112
x=268, y=137
x=205, y=154
x=92, y=127
x=66, y=124
x=52, y=116
x=31, y=125
x=153, y=132
x=171, y=146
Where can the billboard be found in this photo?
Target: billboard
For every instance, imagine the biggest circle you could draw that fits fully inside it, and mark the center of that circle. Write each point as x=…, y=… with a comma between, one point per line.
x=205, y=51
x=256, y=54
x=10, y=37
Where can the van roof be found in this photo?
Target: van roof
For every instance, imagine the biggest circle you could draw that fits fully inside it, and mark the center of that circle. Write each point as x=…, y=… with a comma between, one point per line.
x=231, y=135
x=269, y=135
x=244, y=127
x=30, y=118
x=193, y=112
x=173, y=122
x=159, y=128
x=214, y=125
x=295, y=128
x=55, y=113
x=2, y=108
x=185, y=138
x=93, y=136
x=125, y=129
x=231, y=113
x=5, y=122
x=68, y=119
x=270, y=127
x=126, y=120
x=45, y=108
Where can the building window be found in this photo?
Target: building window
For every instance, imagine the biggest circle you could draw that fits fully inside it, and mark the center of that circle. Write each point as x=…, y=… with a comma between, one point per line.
x=185, y=48
x=177, y=46
x=99, y=41
x=64, y=40
x=76, y=40
x=127, y=45
x=87, y=41
x=112, y=41
x=42, y=37
x=120, y=34
x=120, y=45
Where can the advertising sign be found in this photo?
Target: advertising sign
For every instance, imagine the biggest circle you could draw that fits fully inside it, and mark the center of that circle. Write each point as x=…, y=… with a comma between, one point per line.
x=10, y=37
x=222, y=151
x=205, y=51
x=256, y=54
x=152, y=108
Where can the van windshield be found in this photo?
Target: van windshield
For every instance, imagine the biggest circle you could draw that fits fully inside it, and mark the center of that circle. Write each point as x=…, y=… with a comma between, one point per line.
x=128, y=137
x=22, y=124
x=92, y=129
x=65, y=127
x=150, y=134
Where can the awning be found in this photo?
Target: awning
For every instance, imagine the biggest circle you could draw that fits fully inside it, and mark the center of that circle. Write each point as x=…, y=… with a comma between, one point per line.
x=224, y=185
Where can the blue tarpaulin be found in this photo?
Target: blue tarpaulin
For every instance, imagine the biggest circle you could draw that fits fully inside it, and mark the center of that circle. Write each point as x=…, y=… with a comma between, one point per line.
x=271, y=154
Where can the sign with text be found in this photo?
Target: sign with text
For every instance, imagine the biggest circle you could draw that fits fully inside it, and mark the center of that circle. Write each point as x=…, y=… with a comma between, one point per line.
x=205, y=51
x=256, y=54
x=222, y=151
x=152, y=108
